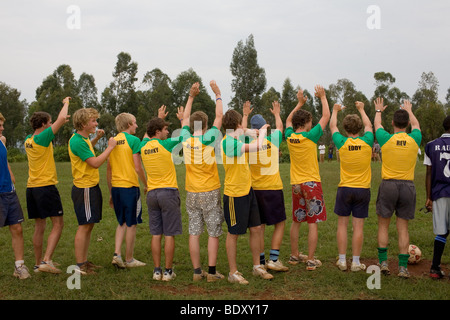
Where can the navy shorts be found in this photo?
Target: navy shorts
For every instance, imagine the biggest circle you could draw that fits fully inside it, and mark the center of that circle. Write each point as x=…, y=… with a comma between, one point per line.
x=87, y=203
x=44, y=202
x=10, y=210
x=271, y=206
x=354, y=201
x=241, y=213
x=164, y=213
x=127, y=205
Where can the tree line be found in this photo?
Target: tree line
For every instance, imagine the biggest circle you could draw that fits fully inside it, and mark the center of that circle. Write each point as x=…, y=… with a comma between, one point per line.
x=126, y=93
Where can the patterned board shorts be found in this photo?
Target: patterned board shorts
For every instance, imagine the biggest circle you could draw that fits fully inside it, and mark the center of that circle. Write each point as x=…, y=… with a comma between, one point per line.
x=205, y=208
x=307, y=202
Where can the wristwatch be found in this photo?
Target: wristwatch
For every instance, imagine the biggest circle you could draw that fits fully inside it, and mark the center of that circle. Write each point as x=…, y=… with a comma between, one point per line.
x=378, y=110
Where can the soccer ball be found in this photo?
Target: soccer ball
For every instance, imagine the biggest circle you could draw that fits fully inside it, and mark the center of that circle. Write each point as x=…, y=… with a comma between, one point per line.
x=414, y=254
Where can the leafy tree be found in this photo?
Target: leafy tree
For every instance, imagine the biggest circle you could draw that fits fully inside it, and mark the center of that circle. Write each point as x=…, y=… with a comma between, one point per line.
x=249, y=78
x=13, y=109
x=288, y=99
x=88, y=91
x=267, y=99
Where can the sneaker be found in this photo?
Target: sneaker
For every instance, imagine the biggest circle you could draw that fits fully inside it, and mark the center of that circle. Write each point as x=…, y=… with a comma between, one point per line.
x=237, y=278
x=276, y=266
x=168, y=276
x=403, y=272
x=296, y=259
x=135, y=263
x=36, y=268
x=436, y=273
x=157, y=275
x=261, y=272
x=341, y=265
x=92, y=266
x=85, y=270
x=313, y=264
x=199, y=276
x=214, y=277
x=358, y=267
x=118, y=262
x=384, y=268
x=47, y=266
x=21, y=272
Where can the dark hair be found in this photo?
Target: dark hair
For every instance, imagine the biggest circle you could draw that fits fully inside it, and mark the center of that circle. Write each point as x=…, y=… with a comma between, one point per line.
x=401, y=118
x=154, y=125
x=352, y=124
x=38, y=119
x=447, y=123
x=300, y=118
x=231, y=120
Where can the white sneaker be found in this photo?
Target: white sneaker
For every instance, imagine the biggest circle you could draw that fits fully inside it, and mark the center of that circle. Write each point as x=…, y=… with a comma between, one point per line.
x=21, y=272
x=135, y=263
x=168, y=276
x=118, y=262
x=358, y=267
x=261, y=272
x=237, y=278
x=276, y=266
x=157, y=275
x=341, y=265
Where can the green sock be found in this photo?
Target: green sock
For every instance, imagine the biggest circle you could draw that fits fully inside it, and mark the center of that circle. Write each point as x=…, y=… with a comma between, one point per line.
x=382, y=254
x=403, y=260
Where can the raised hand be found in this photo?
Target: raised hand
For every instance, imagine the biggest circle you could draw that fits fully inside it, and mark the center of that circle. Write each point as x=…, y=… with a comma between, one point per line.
x=379, y=104
x=276, y=109
x=246, y=109
x=162, y=112
x=195, y=90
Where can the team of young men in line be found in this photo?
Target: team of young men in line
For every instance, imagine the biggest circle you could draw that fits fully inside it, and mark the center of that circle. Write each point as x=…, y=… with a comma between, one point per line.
x=253, y=195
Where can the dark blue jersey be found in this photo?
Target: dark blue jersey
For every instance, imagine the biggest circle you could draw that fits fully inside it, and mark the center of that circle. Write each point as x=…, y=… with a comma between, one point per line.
x=438, y=157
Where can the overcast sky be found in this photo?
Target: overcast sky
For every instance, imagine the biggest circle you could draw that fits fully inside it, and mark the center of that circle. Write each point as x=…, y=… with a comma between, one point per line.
x=311, y=42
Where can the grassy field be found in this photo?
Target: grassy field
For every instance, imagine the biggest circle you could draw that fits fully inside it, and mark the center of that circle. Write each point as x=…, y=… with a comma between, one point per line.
x=327, y=283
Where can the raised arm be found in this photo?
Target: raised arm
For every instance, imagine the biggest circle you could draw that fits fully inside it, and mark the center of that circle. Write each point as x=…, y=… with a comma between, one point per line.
x=412, y=118
x=246, y=110
x=320, y=93
x=219, y=104
x=379, y=108
x=276, y=110
x=365, y=119
x=96, y=162
x=253, y=147
x=301, y=101
x=100, y=133
x=63, y=116
x=333, y=120
x=193, y=92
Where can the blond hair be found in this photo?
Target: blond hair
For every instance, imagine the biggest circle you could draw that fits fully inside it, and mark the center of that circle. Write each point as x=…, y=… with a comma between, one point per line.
x=2, y=118
x=124, y=120
x=82, y=116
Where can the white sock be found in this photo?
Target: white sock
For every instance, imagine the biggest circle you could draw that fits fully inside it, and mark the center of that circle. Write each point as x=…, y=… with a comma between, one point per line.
x=342, y=257
x=356, y=259
x=19, y=263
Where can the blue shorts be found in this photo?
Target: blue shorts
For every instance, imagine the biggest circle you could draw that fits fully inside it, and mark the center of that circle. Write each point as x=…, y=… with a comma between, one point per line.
x=271, y=206
x=353, y=201
x=10, y=210
x=127, y=205
x=241, y=213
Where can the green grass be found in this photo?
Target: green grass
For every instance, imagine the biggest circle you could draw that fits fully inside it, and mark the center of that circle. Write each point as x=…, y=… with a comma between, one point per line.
x=137, y=284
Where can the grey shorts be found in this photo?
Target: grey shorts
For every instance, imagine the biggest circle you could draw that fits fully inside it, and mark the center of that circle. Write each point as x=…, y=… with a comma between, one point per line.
x=164, y=213
x=441, y=216
x=205, y=208
x=397, y=196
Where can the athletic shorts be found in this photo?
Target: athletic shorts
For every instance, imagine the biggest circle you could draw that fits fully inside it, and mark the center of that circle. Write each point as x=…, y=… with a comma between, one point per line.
x=43, y=202
x=87, y=203
x=398, y=196
x=164, y=213
x=127, y=205
x=352, y=201
x=205, y=208
x=241, y=213
x=271, y=206
x=10, y=210
x=441, y=216
x=308, y=204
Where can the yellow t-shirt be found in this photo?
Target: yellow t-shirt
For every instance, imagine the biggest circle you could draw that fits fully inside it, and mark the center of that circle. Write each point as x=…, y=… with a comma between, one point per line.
x=200, y=160
x=355, y=159
x=399, y=151
x=303, y=154
x=238, y=179
x=123, y=173
x=80, y=149
x=41, y=164
x=264, y=164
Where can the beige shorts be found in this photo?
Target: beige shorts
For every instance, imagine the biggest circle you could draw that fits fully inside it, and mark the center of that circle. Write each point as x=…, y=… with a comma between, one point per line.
x=205, y=208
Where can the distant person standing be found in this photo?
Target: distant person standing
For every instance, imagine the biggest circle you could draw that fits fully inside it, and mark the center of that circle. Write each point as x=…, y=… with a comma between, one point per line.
x=322, y=152
x=376, y=152
x=397, y=192
x=437, y=160
x=330, y=152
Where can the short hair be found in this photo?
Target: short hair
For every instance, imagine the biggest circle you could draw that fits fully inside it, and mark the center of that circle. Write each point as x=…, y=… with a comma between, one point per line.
x=300, y=118
x=82, y=116
x=2, y=118
x=352, y=124
x=124, y=120
x=198, y=116
x=446, y=123
x=154, y=125
x=401, y=118
x=39, y=118
x=231, y=120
